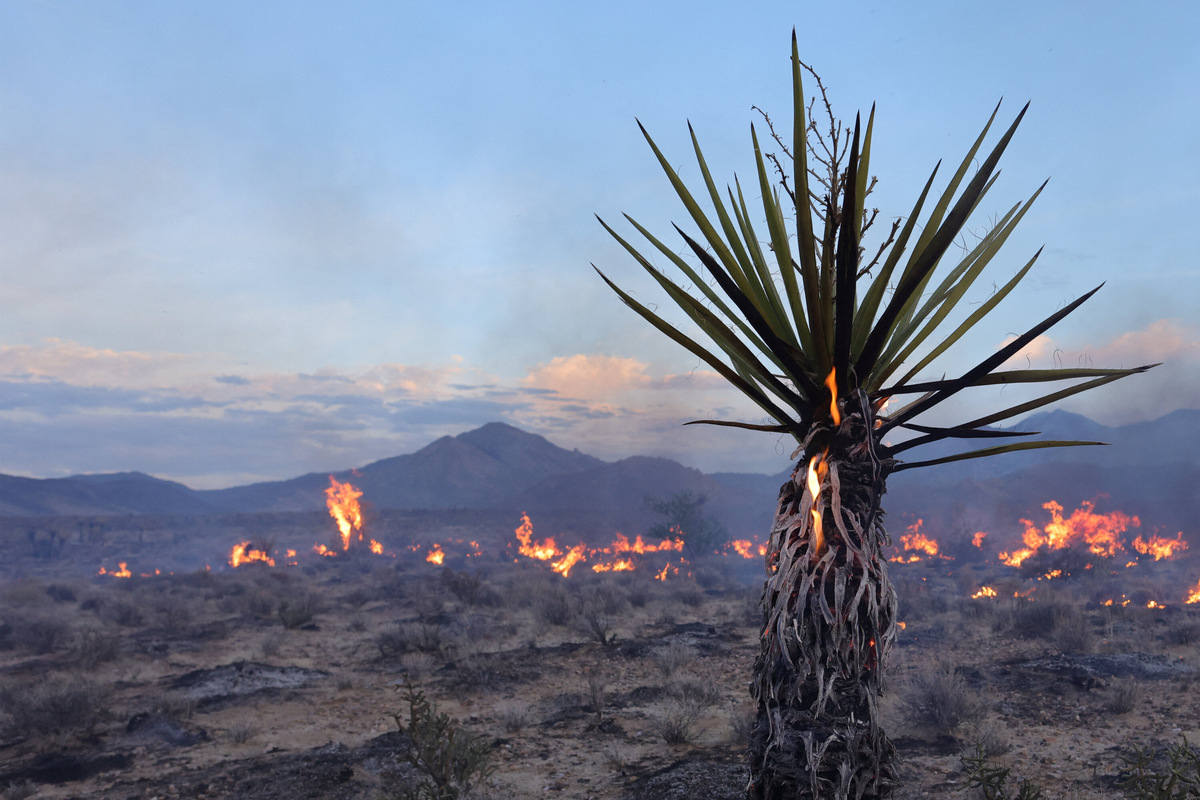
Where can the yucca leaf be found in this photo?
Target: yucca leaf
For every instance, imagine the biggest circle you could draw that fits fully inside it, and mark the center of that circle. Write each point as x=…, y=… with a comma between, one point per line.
x=846, y=267
x=698, y=281
x=1020, y=376
x=992, y=451
x=865, y=315
x=990, y=363
x=777, y=227
x=793, y=360
x=925, y=258
x=805, y=243
x=961, y=432
x=747, y=425
x=780, y=322
x=864, y=174
x=725, y=371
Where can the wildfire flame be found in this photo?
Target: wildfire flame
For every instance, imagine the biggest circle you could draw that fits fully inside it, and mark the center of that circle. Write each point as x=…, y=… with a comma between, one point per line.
x=436, y=555
x=917, y=541
x=978, y=538
x=1160, y=547
x=342, y=501
x=244, y=554
x=123, y=572
x=1100, y=532
x=1192, y=597
x=984, y=591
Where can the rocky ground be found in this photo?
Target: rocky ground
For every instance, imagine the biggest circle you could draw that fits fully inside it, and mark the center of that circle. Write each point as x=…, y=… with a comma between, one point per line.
x=283, y=682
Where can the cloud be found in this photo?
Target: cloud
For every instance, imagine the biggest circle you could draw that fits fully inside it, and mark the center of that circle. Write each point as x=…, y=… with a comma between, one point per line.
x=585, y=376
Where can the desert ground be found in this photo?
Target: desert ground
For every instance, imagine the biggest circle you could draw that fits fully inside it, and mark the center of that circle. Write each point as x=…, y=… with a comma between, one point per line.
x=290, y=681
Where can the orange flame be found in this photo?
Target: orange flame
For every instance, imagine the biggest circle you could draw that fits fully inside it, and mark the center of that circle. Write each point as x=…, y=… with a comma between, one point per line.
x=984, y=591
x=436, y=555
x=978, y=538
x=342, y=501
x=120, y=573
x=1100, y=532
x=915, y=540
x=1159, y=546
x=816, y=475
x=542, y=551
x=1192, y=598
x=376, y=548
x=831, y=382
x=572, y=557
x=623, y=565
x=244, y=554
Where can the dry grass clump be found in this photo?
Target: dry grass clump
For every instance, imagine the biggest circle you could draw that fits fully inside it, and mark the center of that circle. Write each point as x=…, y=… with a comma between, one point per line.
x=1125, y=696
x=59, y=706
x=940, y=700
x=675, y=721
x=513, y=715
x=298, y=611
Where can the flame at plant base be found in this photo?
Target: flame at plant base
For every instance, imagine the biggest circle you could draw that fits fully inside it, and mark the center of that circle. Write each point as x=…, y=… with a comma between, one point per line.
x=342, y=501
x=917, y=542
x=619, y=556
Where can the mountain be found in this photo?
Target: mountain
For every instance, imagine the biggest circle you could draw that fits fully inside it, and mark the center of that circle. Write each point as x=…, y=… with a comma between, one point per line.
x=112, y=493
x=1150, y=469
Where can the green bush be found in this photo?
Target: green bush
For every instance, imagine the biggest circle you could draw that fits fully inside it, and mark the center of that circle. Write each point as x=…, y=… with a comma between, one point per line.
x=1181, y=779
x=450, y=762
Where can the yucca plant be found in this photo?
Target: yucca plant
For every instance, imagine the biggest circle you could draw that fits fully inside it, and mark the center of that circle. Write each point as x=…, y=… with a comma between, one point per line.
x=821, y=341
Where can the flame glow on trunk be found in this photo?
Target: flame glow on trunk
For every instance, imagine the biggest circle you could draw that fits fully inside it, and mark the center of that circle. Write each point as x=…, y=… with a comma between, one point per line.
x=342, y=501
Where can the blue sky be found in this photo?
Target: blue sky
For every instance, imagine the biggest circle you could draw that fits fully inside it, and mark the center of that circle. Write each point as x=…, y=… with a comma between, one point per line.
x=247, y=241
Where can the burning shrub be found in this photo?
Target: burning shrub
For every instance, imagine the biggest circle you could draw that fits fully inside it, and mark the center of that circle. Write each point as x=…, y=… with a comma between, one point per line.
x=58, y=706
x=940, y=700
x=450, y=760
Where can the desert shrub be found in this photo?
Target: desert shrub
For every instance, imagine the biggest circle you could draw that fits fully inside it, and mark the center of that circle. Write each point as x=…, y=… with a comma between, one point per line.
x=1125, y=697
x=597, y=694
x=693, y=690
x=989, y=740
x=297, y=612
x=708, y=578
x=358, y=597
x=241, y=732
x=992, y=780
x=1178, y=781
x=60, y=594
x=674, y=657
x=554, y=606
x=1184, y=631
x=513, y=715
x=270, y=644
x=51, y=707
x=175, y=615
x=595, y=620
x=409, y=637
x=940, y=700
x=1073, y=631
x=449, y=760
x=93, y=648
x=741, y=724
x=469, y=589
x=124, y=613
x=675, y=722
x=41, y=635
x=687, y=594
x=417, y=664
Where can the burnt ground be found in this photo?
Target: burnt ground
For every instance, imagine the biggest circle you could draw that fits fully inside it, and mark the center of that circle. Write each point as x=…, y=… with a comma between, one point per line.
x=192, y=686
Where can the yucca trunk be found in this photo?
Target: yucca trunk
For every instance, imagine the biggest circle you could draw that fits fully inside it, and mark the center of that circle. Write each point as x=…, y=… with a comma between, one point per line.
x=829, y=623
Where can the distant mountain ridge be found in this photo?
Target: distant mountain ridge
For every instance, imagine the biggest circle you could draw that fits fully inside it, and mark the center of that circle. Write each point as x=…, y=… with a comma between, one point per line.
x=1150, y=469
